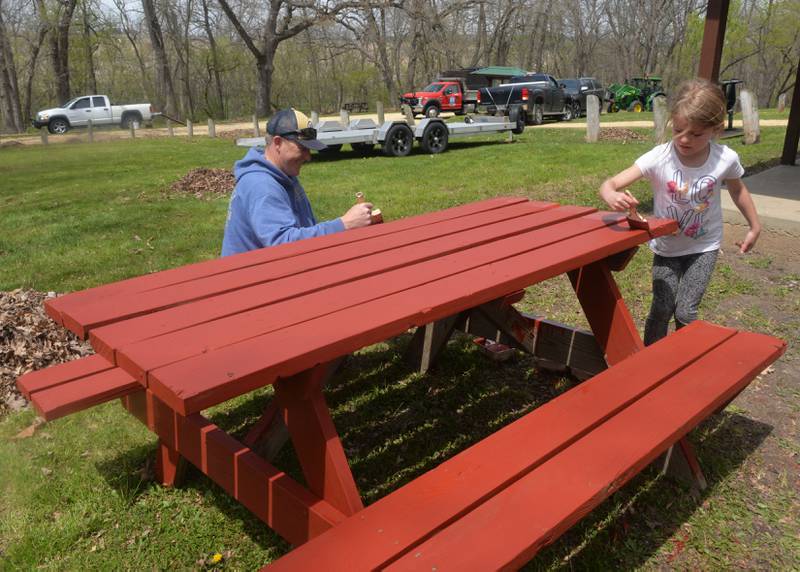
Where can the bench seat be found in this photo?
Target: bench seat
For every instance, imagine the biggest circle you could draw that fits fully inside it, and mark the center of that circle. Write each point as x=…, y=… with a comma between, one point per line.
x=76, y=385
x=496, y=504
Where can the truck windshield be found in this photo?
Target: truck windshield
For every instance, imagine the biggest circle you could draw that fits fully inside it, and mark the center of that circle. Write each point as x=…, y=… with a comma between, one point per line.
x=571, y=83
x=70, y=102
x=434, y=87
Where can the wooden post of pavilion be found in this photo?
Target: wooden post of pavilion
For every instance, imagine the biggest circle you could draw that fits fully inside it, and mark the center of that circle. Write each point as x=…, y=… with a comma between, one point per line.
x=789, y=155
x=713, y=38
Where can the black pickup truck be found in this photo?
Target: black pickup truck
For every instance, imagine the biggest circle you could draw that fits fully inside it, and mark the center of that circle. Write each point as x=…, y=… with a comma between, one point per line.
x=536, y=96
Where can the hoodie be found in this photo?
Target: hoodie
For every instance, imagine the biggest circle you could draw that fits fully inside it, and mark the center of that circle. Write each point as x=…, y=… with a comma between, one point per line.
x=268, y=207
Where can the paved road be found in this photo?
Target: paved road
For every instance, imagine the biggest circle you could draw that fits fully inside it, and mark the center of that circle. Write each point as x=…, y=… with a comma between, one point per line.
x=223, y=128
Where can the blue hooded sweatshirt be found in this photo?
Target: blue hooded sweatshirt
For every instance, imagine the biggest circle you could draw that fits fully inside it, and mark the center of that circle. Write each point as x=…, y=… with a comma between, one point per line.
x=268, y=207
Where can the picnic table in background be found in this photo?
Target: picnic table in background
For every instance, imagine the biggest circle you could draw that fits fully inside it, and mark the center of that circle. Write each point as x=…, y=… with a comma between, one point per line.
x=174, y=343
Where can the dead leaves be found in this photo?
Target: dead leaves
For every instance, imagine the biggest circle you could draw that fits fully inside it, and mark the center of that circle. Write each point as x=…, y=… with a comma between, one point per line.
x=204, y=184
x=30, y=340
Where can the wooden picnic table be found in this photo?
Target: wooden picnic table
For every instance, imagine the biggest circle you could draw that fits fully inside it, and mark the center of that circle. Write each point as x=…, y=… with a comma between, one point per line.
x=174, y=343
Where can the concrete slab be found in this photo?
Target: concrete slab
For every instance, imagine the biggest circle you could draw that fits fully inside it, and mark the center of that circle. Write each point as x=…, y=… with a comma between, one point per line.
x=776, y=194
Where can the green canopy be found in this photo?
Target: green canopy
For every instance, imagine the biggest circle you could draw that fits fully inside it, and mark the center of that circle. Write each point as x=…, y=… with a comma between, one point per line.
x=500, y=71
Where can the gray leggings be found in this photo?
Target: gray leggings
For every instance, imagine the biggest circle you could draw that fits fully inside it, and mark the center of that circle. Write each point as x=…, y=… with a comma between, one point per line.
x=679, y=283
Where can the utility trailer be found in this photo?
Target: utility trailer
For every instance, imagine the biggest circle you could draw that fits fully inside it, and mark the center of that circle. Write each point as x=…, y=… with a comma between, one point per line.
x=397, y=137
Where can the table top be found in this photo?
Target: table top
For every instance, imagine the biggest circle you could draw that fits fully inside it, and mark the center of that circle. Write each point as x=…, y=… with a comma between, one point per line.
x=204, y=333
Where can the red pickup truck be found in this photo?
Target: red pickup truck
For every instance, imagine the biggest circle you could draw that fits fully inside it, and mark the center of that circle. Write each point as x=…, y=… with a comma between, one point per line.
x=445, y=94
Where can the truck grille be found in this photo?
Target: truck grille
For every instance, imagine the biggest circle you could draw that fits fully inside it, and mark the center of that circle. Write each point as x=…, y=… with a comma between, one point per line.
x=412, y=101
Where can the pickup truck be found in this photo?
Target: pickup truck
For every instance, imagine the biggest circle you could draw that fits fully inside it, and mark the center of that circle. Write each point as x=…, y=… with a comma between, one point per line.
x=78, y=111
x=536, y=95
x=444, y=94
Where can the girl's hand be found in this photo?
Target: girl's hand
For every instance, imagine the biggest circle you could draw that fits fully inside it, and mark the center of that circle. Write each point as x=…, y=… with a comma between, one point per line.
x=749, y=241
x=620, y=201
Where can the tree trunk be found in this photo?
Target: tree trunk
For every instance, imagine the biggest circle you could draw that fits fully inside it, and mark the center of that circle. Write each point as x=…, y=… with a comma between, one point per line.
x=9, y=91
x=212, y=44
x=165, y=92
x=265, y=65
x=59, y=50
x=89, y=50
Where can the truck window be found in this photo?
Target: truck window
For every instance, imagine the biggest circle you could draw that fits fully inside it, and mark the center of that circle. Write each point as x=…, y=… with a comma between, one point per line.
x=434, y=87
x=451, y=90
x=98, y=101
x=82, y=103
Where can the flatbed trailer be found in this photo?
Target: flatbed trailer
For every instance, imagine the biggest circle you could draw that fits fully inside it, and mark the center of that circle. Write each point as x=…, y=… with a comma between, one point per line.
x=396, y=138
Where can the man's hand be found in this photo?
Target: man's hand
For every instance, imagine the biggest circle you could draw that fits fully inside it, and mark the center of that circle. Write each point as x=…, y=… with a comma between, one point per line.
x=359, y=215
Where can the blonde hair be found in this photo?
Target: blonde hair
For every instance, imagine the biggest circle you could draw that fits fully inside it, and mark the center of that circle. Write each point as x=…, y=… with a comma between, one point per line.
x=701, y=102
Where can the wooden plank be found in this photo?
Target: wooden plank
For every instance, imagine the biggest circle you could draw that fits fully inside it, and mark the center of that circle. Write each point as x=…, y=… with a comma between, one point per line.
x=361, y=280
x=62, y=373
x=511, y=527
x=82, y=393
x=55, y=307
x=214, y=376
x=457, y=486
x=259, y=286
x=274, y=497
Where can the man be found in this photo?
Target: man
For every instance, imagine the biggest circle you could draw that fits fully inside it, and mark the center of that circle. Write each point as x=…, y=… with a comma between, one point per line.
x=269, y=205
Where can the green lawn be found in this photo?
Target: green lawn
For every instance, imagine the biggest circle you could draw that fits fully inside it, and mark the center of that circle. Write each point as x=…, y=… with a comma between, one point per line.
x=79, y=494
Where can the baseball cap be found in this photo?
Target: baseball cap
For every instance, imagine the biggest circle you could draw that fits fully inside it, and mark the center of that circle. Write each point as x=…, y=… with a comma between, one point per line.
x=295, y=125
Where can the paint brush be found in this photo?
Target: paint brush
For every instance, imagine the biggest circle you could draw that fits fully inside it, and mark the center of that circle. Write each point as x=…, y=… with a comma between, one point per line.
x=377, y=216
x=635, y=220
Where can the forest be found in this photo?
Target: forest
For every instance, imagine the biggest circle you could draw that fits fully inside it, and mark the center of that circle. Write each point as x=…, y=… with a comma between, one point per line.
x=229, y=59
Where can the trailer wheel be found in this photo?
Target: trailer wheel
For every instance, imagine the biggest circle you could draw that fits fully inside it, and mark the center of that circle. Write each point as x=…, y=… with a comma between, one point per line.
x=331, y=149
x=434, y=138
x=398, y=141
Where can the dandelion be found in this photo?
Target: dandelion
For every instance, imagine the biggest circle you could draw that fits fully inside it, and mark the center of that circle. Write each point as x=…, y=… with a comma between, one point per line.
x=216, y=558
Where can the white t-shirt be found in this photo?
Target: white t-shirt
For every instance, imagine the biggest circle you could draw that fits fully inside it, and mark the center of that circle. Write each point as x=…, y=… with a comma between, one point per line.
x=690, y=195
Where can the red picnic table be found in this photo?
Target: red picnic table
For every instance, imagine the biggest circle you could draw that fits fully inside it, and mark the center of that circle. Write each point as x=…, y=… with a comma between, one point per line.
x=174, y=343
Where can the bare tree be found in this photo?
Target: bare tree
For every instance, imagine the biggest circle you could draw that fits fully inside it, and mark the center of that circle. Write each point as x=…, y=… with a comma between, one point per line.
x=214, y=65
x=131, y=32
x=89, y=44
x=284, y=19
x=59, y=21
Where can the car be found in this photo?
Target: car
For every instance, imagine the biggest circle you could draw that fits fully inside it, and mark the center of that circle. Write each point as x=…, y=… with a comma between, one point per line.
x=577, y=89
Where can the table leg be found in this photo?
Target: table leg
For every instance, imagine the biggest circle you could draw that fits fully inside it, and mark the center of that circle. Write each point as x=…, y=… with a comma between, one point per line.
x=616, y=333
x=170, y=465
x=428, y=342
x=315, y=439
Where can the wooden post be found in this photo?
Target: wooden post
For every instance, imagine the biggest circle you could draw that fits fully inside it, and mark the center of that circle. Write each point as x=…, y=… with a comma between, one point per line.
x=256, y=126
x=592, y=119
x=43, y=131
x=749, y=103
x=189, y=128
x=409, y=114
x=212, y=130
x=315, y=118
x=379, y=111
x=660, y=115
x=713, y=39
x=133, y=129
x=170, y=131
x=782, y=103
x=90, y=130
x=344, y=118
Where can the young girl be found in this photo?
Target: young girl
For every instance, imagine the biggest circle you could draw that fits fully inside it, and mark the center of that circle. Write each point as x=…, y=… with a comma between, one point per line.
x=686, y=175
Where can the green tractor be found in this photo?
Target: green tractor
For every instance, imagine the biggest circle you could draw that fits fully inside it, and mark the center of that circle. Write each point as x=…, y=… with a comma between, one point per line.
x=635, y=96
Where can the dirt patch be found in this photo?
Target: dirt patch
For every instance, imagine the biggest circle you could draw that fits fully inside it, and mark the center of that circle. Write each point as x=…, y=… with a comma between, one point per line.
x=30, y=340
x=204, y=184
x=620, y=135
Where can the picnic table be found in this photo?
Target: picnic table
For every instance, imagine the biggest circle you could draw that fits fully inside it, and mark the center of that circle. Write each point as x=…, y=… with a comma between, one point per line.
x=174, y=343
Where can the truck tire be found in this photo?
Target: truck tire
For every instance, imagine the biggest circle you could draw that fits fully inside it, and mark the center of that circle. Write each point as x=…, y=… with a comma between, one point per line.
x=537, y=114
x=399, y=140
x=431, y=110
x=129, y=119
x=434, y=138
x=568, y=114
x=58, y=126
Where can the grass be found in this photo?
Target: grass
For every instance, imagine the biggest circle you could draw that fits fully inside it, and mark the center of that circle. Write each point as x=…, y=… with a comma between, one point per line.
x=79, y=494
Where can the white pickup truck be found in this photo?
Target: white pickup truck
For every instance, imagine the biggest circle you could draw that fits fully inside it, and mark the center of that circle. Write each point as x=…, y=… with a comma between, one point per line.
x=78, y=111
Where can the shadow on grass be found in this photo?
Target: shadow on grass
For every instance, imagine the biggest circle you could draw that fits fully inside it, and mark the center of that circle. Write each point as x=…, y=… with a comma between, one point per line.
x=347, y=153
x=396, y=424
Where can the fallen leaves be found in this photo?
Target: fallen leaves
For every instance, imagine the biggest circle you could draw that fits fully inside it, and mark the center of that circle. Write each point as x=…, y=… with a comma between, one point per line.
x=204, y=184
x=30, y=340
